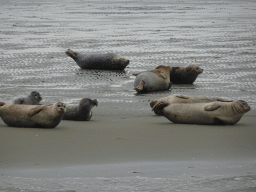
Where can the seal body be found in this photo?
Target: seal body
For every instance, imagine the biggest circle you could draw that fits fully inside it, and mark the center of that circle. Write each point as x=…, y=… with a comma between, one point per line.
x=33, y=99
x=107, y=61
x=157, y=79
x=214, y=113
x=185, y=75
x=177, y=98
x=81, y=111
x=38, y=116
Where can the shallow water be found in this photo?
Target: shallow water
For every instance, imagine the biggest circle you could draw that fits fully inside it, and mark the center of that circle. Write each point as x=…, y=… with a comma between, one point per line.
x=217, y=35
x=220, y=36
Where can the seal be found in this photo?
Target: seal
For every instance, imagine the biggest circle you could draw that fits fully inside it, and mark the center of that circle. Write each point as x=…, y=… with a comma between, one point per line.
x=33, y=99
x=108, y=61
x=37, y=116
x=177, y=98
x=157, y=79
x=81, y=111
x=214, y=113
x=185, y=75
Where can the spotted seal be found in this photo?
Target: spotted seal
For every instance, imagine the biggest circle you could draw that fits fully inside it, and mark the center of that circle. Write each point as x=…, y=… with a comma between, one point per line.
x=107, y=61
x=177, y=98
x=33, y=99
x=157, y=79
x=38, y=116
x=81, y=111
x=214, y=113
x=185, y=75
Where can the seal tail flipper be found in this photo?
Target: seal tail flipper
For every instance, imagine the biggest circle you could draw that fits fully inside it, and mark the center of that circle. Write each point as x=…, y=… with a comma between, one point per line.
x=140, y=86
x=71, y=54
x=2, y=103
x=158, y=107
x=152, y=103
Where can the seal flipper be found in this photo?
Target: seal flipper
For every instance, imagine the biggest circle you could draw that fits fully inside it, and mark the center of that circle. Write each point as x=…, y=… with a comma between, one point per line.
x=140, y=86
x=223, y=100
x=212, y=107
x=163, y=74
x=182, y=96
x=35, y=110
x=137, y=73
x=218, y=121
x=159, y=106
x=71, y=54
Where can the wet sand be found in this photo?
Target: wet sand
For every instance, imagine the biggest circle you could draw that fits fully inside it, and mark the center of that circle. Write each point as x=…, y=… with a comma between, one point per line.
x=124, y=138
x=116, y=146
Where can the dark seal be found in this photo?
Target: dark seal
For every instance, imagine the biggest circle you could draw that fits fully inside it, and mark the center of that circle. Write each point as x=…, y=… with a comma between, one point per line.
x=185, y=75
x=81, y=111
x=33, y=99
x=107, y=61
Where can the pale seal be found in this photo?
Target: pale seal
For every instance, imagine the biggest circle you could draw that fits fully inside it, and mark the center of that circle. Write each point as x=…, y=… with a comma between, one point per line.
x=81, y=111
x=107, y=61
x=157, y=79
x=38, y=116
x=185, y=75
x=177, y=98
x=33, y=99
x=214, y=113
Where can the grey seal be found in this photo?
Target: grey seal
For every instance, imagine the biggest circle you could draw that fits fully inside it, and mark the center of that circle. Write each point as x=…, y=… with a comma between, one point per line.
x=81, y=111
x=33, y=99
x=103, y=61
x=37, y=116
x=157, y=79
x=185, y=75
x=214, y=113
x=178, y=98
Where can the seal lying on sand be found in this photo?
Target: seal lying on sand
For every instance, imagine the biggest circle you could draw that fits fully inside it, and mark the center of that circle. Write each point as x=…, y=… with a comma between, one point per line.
x=185, y=75
x=214, y=113
x=33, y=99
x=40, y=116
x=81, y=111
x=176, y=98
x=153, y=80
x=107, y=61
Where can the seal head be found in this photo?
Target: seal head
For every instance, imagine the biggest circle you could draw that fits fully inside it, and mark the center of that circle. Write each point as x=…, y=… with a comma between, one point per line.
x=33, y=98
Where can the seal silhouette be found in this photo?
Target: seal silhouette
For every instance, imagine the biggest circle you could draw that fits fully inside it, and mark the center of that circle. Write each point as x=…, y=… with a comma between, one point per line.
x=33, y=99
x=81, y=111
x=214, y=113
x=185, y=75
x=38, y=116
x=104, y=61
x=178, y=98
x=157, y=79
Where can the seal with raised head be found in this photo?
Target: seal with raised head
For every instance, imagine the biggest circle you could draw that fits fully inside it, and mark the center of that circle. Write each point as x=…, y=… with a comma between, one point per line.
x=37, y=116
x=157, y=79
x=33, y=99
x=214, y=113
x=177, y=98
x=107, y=61
x=185, y=75
x=81, y=111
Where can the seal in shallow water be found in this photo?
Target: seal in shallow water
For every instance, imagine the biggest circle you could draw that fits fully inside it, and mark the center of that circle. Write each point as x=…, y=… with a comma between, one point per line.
x=39, y=116
x=107, y=61
x=81, y=111
x=214, y=113
x=176, y=98
x=33, y=99
x=157, y=79
x=185, y=75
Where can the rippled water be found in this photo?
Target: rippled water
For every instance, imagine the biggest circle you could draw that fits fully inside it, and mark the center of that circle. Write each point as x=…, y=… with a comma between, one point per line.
x=220, y=36
x=217, y=35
